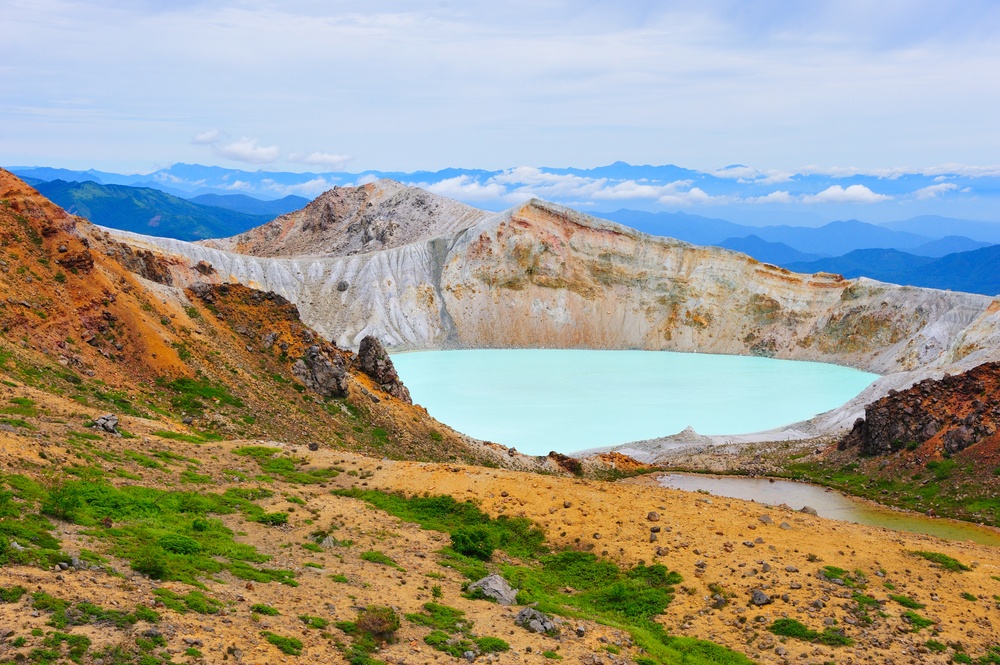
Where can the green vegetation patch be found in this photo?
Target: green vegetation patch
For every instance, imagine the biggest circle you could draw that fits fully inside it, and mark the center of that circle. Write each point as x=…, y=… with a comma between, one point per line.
x=374, y=556
x=943, y=560
x=918, y=622
x=473, y=531
x=907, y=602
x=624, y=599
x=166, y=535
x=193, y=601
x=191, y=392
x=289, y=645
x=786, y=627
x=261, y=608
x=286, y=468
x=64, y=613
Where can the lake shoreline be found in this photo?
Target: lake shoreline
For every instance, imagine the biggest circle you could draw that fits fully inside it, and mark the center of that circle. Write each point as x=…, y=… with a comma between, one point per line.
x=980, y=533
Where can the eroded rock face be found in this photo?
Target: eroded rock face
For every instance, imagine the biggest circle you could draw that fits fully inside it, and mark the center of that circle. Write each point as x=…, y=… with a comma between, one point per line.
x=355, y=220
x=374, y=361
x=955, y=412
x=326, y=374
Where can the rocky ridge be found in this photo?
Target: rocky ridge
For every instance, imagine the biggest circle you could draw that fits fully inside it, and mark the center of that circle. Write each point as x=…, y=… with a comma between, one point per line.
x=541, y=275
x=355, y=220
x=946, y=415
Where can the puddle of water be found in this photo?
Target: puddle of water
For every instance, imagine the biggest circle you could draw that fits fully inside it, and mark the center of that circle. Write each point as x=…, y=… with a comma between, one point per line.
x=828, y=503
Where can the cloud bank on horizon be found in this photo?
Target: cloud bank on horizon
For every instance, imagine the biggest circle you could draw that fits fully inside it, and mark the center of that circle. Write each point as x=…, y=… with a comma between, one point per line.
x=736, y=192
x=307, y=85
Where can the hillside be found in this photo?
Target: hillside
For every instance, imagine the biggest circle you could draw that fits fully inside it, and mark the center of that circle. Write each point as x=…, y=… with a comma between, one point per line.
x=145, y=210
x=228, y=514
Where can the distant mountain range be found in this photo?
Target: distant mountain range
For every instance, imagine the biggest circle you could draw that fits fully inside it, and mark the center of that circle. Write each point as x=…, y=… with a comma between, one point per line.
x=977, y=271
x=737, y=193
x=921, y=251
x=250, y=205
x=148, y=211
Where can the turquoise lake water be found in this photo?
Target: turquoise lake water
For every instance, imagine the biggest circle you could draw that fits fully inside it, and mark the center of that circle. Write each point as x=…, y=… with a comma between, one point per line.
x=539, y=400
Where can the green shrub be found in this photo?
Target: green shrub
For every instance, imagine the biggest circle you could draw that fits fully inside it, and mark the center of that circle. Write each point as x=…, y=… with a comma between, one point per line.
x=918, y=622
x=11, y=595
x=441, y=617
x=943, y=560
x=179, y=544
x=378, y=621
x=477, y=541
x=787, y=627
x=906, y=601
x=261, y=608
x=374, y=556
x=273, y=519
x=314, y=622
x=491, y=644
x=289, y=645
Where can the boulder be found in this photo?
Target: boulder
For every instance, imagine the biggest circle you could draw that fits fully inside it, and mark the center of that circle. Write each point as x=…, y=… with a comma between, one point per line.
x=496, y=587
x=322, y=373
x=107, y=423
x=534, y=621
x=375, y=362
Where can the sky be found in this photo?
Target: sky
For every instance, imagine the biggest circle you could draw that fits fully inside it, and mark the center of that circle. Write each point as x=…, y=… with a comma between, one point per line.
x=308, y=85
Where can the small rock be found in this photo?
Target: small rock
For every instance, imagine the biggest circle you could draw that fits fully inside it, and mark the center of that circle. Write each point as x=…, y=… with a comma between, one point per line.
x=581, y=631
x=566, y=504
x=342, y=286
x=766, y=519
x=653, y=516
x=759, y=598
x=809, y=510
x=791, y=569
x=313, y=446
x=785, y=525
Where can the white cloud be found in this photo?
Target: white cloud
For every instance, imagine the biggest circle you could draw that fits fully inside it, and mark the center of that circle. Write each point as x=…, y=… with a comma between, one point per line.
x=693, y=196
x=851, y=194
x=630, y=189
x=311, y=188
x=465, y=188
x=932, y=191
x=367, y=178
x=246, y=150
x=207, y=138
x=325, y=159
x=779, y=196
x=737, y=172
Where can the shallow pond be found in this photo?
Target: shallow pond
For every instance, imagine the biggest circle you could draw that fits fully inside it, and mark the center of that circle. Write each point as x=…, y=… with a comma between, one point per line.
x=539, y=400
x=828, y=503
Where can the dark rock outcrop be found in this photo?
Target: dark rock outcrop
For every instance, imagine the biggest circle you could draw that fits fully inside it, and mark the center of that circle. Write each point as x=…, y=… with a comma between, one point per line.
x=321, y=372
x=375, y=362
x=957, y=411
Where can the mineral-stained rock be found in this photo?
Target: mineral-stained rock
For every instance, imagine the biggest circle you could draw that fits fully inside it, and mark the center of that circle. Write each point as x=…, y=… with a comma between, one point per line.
x=375, y=362
x=323, y=373
x=496, y=587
